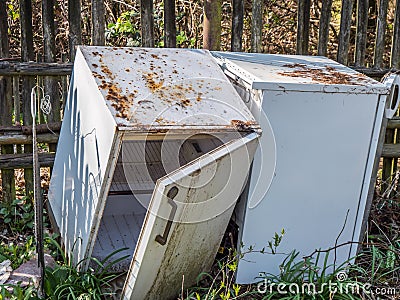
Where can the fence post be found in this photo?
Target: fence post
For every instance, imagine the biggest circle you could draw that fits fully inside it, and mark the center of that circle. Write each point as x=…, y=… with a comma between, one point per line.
x=344, y=34
x=237, y=25
x=303, y=26
x=98, y=22
x=7, y=176
x=147, y=22
x=50, y=83
x=28, y=82
x=74, y=22
x=256, y=26
x=395, y=55
x=380, y=33
x=361, y=35
x=169, y=24
x=324, y=22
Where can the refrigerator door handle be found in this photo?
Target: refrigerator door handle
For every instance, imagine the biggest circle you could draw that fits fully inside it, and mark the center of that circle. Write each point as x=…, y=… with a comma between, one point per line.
x=162, y=239
x=392, y=81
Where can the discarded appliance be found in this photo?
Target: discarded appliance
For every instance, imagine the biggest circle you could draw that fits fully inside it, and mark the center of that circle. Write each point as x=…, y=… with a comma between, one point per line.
x=154, y=151
x=326, y=121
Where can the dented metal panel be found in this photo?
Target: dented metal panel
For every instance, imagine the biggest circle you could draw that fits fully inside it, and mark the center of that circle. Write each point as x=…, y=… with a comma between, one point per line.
x=152, y=88
x=206, y=190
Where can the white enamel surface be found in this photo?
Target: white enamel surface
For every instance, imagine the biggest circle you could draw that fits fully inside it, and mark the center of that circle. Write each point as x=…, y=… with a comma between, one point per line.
x=80, y=170
x=326, y=138
x=208, y=189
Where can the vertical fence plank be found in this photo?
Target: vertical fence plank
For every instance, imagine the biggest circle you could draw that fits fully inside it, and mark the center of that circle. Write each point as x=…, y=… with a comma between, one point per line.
x=74, y=22
x=237, y=25
x=7, y=176
x=212, y=24
x=169, y=24
x=380, y=33
x=389, y=165
x=344, y=34
x=28, y=82
x=147, y=22
x=324, y=22
x=98, y=22
x=256, y=26
x=303, y=26
x=395, y=55
x=50, y=83
x=361, y=35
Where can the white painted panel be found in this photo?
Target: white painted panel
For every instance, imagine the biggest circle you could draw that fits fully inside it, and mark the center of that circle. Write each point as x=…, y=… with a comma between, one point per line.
x=323, y=142
x=297, y=73
x=80, y=170
x=208, y=188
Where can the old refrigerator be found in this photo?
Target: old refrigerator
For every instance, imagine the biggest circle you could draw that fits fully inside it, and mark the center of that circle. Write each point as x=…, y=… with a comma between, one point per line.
x=154, y=151
x=325, y=121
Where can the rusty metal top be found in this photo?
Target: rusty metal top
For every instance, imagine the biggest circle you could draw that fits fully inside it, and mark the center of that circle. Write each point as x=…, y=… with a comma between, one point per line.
x=153, y=88
x=296, y=72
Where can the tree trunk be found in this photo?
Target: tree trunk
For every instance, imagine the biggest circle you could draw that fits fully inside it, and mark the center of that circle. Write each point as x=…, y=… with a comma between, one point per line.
x=237, y=25
x=256, y=26
x=169, y=24
x=147, y=22
x=212, y=24
x=75, y=31
x=98, y=23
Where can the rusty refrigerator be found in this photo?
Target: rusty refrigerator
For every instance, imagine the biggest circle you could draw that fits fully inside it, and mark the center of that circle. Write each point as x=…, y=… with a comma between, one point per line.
x=325, y=120
x=154, y=151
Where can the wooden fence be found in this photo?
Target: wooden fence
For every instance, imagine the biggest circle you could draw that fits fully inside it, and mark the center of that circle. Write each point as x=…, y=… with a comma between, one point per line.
x=18, y=77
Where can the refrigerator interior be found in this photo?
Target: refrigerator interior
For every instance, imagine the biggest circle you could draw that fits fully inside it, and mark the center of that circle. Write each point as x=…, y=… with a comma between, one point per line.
x=140, y=164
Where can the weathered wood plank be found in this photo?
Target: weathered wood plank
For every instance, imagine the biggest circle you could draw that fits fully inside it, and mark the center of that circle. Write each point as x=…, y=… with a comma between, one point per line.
x=75, y=31
x=391, y=150
x=169, y=24
x=50, y=83
x=27, y=82
x=40, y=128
x=380, y=33
x=395, y=55
x=237, y=25
x=324, y=22
x=361, y=34
x=7, y=176
x=344, y=34
x=27, y=139
x=212, y=24
x=16, y=161
x=373, y=72
x=147, y=22
x=256, y=26
x=34, y=68
x=394, y=123
x=388, y=162
x=98, y=23
x=303, y=26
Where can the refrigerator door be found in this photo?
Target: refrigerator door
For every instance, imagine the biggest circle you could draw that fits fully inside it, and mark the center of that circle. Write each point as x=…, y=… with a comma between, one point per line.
x=186, y=220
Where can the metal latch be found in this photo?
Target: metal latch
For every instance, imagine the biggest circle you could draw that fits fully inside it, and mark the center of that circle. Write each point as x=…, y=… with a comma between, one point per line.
x=392, y=81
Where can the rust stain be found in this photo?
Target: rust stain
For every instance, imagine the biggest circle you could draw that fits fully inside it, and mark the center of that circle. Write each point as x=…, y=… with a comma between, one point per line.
x=107, y=71
x=151, y=82
x=242, y=125
x=328, y=75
